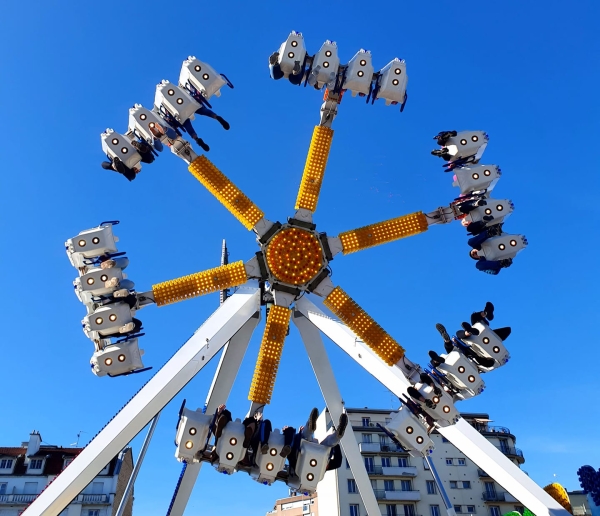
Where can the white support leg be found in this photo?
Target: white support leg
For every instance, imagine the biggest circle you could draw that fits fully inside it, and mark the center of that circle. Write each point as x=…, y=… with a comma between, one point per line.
x=229, y=365
x=462, y=435
x=148, y=402
x=333, y=399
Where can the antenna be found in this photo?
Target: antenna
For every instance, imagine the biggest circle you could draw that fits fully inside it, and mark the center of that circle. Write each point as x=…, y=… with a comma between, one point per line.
x=224, y=294
x=76, y=443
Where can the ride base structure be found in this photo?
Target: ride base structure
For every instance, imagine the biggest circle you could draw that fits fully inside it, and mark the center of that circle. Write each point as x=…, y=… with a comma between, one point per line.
x=290, y=275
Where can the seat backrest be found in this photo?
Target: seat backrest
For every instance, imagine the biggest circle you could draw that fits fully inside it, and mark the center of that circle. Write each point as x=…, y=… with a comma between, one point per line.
x=202, y=77
x=118, y=359
x=292, y=50
x=359, y=73
x=270, y=463
x=116, y=145
x=230, y=447
x=192, y=432
x=410, y=431
x=392, y=82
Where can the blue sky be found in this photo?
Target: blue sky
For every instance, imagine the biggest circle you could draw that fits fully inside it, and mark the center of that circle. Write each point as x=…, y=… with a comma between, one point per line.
x=524, y=72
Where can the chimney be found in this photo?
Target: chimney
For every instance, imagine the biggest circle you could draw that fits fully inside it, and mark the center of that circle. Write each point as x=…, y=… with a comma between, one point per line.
x=35, y=440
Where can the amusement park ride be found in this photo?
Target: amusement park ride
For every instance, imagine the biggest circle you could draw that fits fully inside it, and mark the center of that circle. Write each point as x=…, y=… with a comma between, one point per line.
x=290, y=276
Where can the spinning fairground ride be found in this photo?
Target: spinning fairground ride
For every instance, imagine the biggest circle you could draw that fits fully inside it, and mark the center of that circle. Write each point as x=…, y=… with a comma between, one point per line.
x=290, y=276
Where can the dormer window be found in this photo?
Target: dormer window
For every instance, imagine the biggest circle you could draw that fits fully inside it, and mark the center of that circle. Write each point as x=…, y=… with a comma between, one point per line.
x=35, y=464
x=67, y=462
x=6, y=463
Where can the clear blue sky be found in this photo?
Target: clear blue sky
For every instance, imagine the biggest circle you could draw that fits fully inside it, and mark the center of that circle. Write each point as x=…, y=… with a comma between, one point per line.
x=525, y=72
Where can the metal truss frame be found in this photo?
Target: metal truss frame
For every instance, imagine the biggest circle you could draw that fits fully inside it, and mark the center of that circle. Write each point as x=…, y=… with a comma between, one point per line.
x=231, y=327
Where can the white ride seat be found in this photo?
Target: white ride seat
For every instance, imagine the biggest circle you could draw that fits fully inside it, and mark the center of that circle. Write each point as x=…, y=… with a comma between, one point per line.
x=503, y=247
x=118, y=359
x=500, y=209
x=270, y=463
x=488, y=344
x=116, y=145
x=475, y=178
x=466, y=145
x=444, y=410
x=462, y=374
x=410, y=431
x=230, y=447
x=391, y=84
x=91, y=243
x=107, y=321
x=176, y=101
x=311, y=467
x=325, y=65
x=359, y=73
x=292, y=52
x=202, y=77
x=192, y=432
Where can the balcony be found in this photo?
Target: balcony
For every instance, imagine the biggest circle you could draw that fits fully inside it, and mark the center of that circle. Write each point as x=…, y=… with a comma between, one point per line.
x=513, y=453
x=366, y=447
x=494, y=497
x=17, y=499
x=393, y=471
x=482, y=473
x=398, y=496
x=92, y=498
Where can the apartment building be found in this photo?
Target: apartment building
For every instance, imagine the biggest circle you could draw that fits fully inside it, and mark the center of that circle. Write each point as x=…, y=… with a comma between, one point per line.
x=579, y=503
x=298, y=505
x=26, y=470
x=404, y=486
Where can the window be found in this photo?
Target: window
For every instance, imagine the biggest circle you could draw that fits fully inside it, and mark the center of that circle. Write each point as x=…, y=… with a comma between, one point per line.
x=386, y=462
x=471, y=509
x=35, y=464
x=520, y=509
x=409, y=510
x=403, y=462
x=449, y=462
x=490, y=490
x=30, y=488
x=391, y=510
x=354, y=509
x=504, y=447
x=369, y=464
x=367, y=438
x=6, y=464
x=466, y=484
x=93, y=512
x=494, y=510
x=425, y=465
x=351, y=485
x=388, y=485
x=453, y=484
x=347, y=464
x=384, y=439
x=462, y=462
x=458, y=508
x=434, y=510
x=3, y=488
x=444, y=440
x=406, y=485
x=67, y=462
x=366, y=421
x=431, y=489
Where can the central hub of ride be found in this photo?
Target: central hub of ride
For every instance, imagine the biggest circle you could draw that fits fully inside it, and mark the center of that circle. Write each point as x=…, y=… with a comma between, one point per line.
x=294, y=256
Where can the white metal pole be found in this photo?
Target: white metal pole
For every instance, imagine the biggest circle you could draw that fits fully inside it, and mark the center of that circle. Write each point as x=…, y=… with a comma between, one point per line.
x=136, y=468
x=229, y=365
x=149, y=401
x=462, y=435
x=333, y=399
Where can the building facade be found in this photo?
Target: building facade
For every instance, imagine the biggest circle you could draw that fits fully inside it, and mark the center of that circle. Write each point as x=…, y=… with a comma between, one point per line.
x=404, y=485
x=26, y=470
x=579, y=503
x=296, y=506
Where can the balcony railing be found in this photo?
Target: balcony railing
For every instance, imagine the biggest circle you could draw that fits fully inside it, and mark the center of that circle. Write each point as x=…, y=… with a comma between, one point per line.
x=92, y=498
x=393, y=471
x=370, y=447
x=407, y=496
x=482, y=473
x=509, y=451
x=17, y=499
x=494, y=497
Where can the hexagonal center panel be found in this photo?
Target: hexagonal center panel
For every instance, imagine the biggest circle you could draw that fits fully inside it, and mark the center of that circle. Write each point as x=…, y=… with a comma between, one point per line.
x=294, y=256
